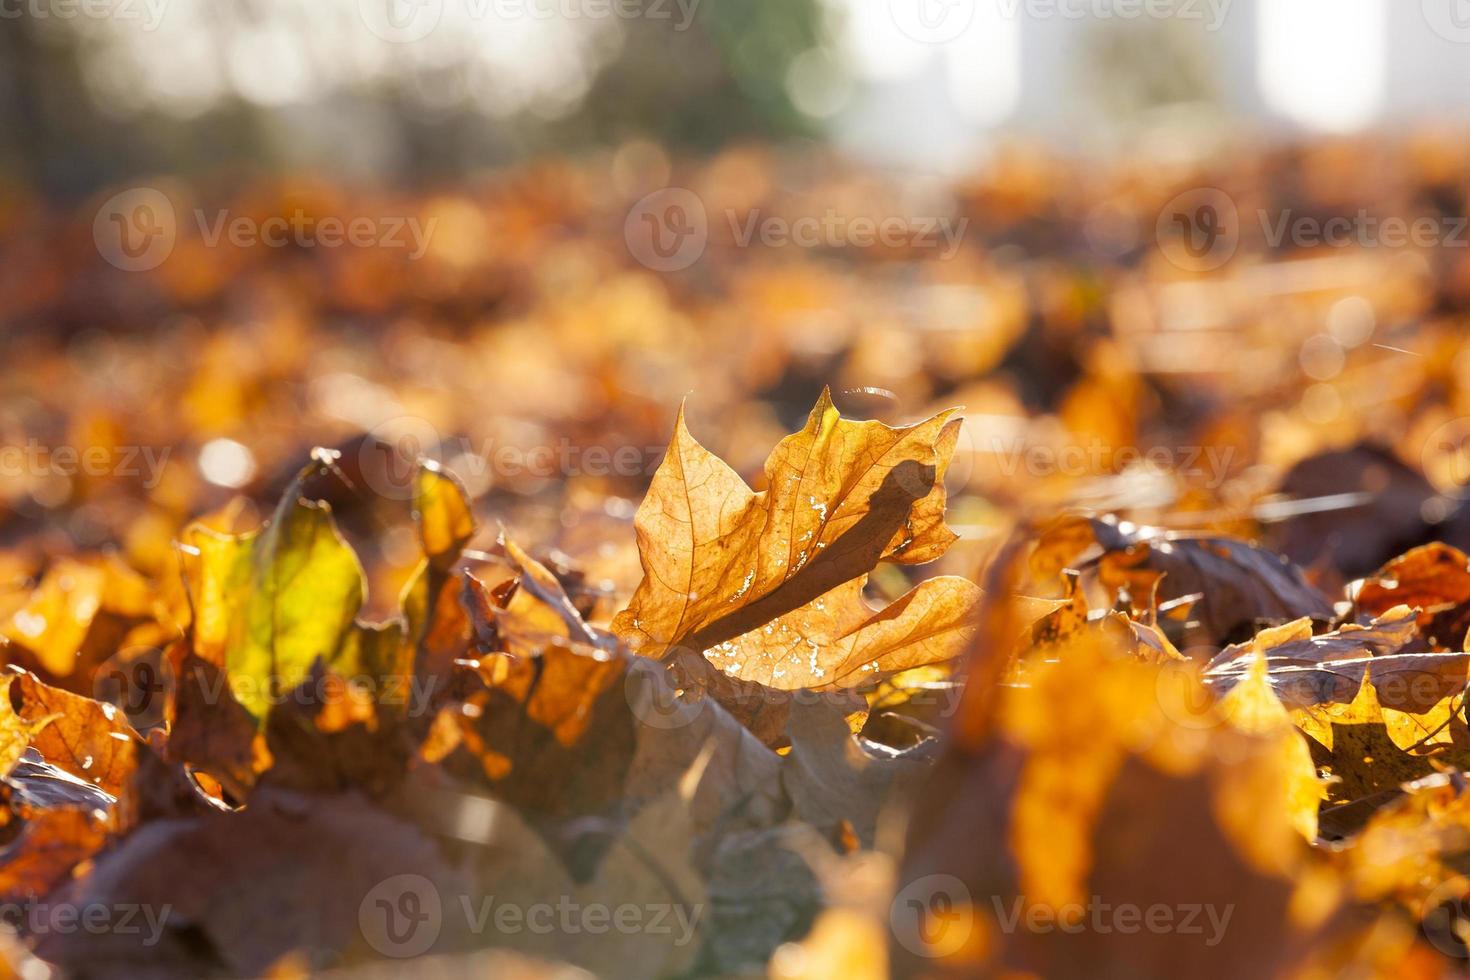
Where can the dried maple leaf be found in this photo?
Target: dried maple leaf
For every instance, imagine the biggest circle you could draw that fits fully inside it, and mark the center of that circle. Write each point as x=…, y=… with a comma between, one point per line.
x=768, y=585
x=1239, y=585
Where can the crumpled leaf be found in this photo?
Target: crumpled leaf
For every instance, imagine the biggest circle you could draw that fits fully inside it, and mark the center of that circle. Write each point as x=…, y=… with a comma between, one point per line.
x=1434, y=578
x=564, y=730
x=769, y=584
x=834, y=776
x=1240, y=586
x=1294, y=645
x=1073, y=616
x=86, y=738
x=1418, y=696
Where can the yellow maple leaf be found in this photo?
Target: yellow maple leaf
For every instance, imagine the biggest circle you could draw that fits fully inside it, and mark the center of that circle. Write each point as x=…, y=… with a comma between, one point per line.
x=768, y=585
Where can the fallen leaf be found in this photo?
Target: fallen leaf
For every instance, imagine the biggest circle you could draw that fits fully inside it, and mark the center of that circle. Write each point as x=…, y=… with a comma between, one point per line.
x=769, y=585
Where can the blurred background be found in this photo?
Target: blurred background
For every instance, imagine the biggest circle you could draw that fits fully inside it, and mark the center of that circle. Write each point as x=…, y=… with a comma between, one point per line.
x=1104, y=238
x=93, y=91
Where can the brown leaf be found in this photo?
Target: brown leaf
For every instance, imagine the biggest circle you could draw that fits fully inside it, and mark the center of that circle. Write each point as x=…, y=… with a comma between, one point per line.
x=208, y=728
x=1307, y=671
x=1020, y=849
x=1434, y=578
x=1240, y=585
x=236, y=892
x=87, y=738
x=837, y=780
x=52, y=841
x=565, y=731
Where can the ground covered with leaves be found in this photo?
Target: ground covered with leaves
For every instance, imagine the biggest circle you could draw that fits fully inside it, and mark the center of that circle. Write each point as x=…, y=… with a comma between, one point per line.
x=518, y=609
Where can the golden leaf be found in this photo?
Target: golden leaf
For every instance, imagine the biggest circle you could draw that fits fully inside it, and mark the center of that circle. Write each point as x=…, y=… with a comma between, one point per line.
x=769, y=584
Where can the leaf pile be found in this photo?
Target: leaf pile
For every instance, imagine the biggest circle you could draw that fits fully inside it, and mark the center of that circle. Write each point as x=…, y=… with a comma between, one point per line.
x=1153, y=663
